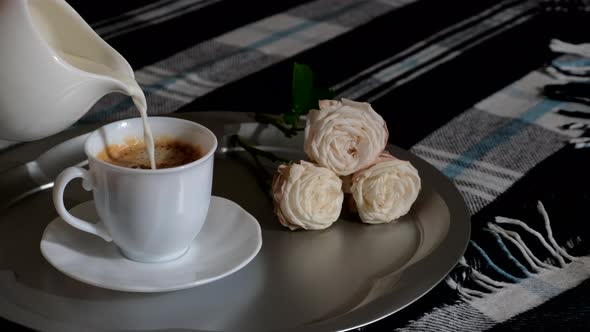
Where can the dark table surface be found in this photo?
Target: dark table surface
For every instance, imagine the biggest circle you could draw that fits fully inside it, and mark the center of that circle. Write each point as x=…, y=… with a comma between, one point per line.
x=427, y=96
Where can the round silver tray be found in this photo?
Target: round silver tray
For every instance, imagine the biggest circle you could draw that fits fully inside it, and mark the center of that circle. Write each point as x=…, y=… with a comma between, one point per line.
x=344, y=277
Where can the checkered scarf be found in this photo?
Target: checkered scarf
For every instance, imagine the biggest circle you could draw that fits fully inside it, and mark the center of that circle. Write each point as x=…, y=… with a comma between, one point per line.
x=514, y=155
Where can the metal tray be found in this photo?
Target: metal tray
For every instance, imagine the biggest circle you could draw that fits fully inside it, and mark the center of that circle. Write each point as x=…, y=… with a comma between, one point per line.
x=344, y=277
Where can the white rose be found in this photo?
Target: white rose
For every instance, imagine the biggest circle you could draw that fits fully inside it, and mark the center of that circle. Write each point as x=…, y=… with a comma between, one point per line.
x=386, y=190
x=344, y=136
x=307, y=196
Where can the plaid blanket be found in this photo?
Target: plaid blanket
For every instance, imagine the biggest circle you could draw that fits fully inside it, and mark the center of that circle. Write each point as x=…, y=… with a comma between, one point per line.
x=458, y=83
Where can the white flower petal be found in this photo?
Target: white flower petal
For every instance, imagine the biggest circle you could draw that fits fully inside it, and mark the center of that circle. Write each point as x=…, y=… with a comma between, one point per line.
x=307, y=196
x=385, y=191
x=344, y=136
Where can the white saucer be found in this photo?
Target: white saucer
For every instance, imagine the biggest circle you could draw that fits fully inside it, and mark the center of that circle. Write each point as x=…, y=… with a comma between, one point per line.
x=228, y=241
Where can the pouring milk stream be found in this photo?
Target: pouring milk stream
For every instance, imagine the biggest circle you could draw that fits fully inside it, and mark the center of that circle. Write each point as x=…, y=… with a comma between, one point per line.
x=135, y=93
x=54, y=67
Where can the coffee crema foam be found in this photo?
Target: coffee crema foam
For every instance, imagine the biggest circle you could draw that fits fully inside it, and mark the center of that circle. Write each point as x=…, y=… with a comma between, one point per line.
x=133, y=154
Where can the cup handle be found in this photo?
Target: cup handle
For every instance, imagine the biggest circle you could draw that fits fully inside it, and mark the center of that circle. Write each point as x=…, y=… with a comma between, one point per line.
x=61, y=182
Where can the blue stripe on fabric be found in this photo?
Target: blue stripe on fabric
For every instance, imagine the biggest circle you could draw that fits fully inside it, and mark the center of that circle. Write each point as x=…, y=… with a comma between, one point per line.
x=533, y=284
x=406, y=64
x=493, y=265
x=515, y=92
x=572, y=63
x=497, y=137
x=165, y=83
x=508, y=253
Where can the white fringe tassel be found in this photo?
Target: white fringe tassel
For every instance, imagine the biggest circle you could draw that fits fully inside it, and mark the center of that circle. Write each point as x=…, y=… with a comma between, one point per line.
x=562, y=251
x=504, y=220
x=527, y=254
x=490, y=285
x=559, y=46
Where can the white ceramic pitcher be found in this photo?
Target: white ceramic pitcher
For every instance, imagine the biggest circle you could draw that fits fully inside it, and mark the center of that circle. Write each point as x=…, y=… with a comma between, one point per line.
x=53, y=68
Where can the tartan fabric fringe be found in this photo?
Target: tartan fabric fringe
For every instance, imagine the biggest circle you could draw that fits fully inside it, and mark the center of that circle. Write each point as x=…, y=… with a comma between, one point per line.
x=480, y=285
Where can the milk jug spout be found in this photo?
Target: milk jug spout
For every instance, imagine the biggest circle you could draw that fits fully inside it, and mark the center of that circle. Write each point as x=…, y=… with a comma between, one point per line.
x=53, y=68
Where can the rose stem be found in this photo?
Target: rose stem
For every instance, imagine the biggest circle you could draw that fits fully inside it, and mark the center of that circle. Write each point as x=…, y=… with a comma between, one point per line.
x=269, y=119
x=264, y=178
x=236, y=140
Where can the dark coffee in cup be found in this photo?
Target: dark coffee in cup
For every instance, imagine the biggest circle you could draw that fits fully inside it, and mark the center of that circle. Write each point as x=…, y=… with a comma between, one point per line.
x=168, y=153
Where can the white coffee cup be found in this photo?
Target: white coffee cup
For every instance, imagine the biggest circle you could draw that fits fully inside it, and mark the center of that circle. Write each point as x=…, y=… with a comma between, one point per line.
x=151, y=215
